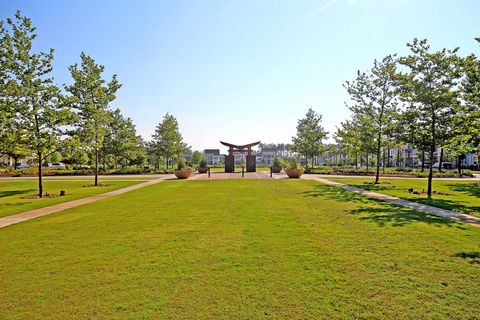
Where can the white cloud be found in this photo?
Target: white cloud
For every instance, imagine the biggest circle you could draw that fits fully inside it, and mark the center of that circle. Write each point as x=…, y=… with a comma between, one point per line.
x=324, y=7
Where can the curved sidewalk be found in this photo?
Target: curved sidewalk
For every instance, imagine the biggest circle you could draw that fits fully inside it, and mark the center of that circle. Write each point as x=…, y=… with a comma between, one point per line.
x=448, y=214
x=32, y=214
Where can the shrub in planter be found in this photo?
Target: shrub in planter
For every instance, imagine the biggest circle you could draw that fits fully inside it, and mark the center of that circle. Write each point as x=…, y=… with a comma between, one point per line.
x=183, y=170
x=293, y=170
x=277, y=165
x=202, y=168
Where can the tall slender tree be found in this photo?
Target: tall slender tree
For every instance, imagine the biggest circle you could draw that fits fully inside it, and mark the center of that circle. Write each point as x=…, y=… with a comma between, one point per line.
x=34, y=100
x=91, y=97
x=349, y=139
x=121, y=144
x=310, y=135
x=428, y=88
x=374, y=100
x=167, y=140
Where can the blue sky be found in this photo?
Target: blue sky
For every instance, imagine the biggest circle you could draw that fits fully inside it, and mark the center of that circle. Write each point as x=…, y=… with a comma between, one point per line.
x=238, y=70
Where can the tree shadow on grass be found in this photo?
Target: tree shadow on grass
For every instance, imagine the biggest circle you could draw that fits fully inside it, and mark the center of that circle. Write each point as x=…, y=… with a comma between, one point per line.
x=471, y=189
x=14, y=204
x=372, y=187
x=8, y=193
x=335, y=193
x=383, y=214
x=390, y=214
x=473, y=257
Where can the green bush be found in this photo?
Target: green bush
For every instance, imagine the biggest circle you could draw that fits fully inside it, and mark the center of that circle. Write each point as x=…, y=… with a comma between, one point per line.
x=182, y=164
x=292, y=163
x=277, y=162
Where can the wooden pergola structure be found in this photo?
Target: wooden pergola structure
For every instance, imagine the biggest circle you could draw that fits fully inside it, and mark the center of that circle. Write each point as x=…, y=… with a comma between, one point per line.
x=247, y=149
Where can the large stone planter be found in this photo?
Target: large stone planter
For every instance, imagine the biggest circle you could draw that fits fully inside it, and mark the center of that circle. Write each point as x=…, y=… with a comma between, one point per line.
x=202, y=169
x=276, y=169
x=183, y=174
x=294, y=173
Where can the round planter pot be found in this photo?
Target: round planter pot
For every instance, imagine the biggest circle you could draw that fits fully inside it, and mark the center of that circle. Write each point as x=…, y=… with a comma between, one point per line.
x=202, y=169
x=276, y=169
x=183, y=174
x=294, y=173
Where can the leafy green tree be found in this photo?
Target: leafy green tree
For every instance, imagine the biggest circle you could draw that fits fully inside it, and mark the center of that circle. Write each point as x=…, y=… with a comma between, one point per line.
x=466, y=121
x=310, y=135
x=349, y=140
x=13, y=141
x=197, y=157
x=73, y=152
x=428, y=87
x=91, y=97
x=121, y=143
x=12, y=137
x=357, y=138
x=55, y=157
x=167, y=140
x=374, y=101
x=5, y=111
x=33, y=98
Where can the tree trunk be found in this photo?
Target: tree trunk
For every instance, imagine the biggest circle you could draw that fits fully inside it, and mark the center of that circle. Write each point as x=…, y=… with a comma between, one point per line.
x=40, y=182
x=367, y=161
x=96, y=167
x=379, y=151
x=459, y=166
x=15, y=163
x=423, y=161
x=441, y=160
x=356, y=161
x=433, y=146
x=430, y=175
x=398, y=157
x=384, y=161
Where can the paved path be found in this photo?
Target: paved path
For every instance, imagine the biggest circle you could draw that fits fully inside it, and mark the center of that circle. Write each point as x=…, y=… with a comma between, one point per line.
x=27, y=215
x=475, y=177
x=465, y=218
x=236, y=175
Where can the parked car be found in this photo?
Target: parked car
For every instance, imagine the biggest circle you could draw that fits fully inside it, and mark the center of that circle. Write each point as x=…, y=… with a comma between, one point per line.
x=23, y=166
x=445, y=165
x=56, y=165
x=81, y=167
x=419, y=165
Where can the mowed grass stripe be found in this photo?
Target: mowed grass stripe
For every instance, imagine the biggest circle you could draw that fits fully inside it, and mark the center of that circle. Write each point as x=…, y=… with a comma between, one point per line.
x=14, y=193
x=238, y=249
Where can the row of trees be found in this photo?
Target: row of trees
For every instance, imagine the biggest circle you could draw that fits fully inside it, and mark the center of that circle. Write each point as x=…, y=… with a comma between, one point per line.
x=75, y=123
x=428, y=99
x=41, y=118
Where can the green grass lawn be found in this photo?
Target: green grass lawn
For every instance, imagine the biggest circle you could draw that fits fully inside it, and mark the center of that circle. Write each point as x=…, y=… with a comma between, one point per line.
x=14, y=190
x=230, y=249
x=461, y=196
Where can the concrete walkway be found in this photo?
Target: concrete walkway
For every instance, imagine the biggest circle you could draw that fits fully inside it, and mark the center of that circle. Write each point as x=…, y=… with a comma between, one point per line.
x=452, y=215
x=32, y=214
